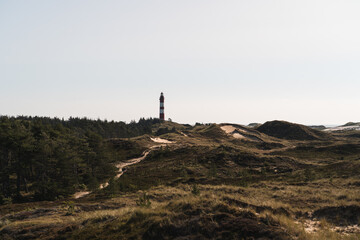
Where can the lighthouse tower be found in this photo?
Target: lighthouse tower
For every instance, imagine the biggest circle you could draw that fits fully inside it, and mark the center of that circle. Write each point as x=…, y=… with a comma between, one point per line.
x=162, y=113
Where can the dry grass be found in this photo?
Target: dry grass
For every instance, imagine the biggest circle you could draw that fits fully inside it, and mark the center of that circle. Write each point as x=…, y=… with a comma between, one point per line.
x=168, y=204
x=280, y=203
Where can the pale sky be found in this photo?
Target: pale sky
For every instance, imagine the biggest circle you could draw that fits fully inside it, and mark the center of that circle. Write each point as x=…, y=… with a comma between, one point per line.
x=216, y=61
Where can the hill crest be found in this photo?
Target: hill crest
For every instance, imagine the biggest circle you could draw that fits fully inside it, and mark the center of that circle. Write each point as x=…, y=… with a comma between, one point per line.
x=290, y=131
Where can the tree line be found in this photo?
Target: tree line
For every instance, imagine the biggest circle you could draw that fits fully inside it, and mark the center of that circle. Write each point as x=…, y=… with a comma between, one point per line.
x=48, y=158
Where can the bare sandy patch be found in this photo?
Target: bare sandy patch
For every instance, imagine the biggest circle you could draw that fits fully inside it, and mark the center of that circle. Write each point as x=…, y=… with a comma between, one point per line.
x=238, y=135
x=243, y=130
x=184, y=134
x=160, y=140
x=81, y=194
x=228, y=128
x=104, y=185
x=234, y=131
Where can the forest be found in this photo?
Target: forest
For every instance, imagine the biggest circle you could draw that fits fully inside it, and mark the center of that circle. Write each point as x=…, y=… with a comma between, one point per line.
x=45, y=158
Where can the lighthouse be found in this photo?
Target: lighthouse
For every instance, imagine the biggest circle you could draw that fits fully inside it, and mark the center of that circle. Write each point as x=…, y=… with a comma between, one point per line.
x=162, y=113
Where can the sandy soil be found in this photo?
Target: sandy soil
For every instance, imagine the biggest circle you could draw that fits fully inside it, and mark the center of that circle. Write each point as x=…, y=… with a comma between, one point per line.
x=104, y=185
x=238, y=135
x=311, y=226
x=121, y=165
x=81, y=194
x=242, y=130
x=184, y=134
x=160, y=140
x=228, y=128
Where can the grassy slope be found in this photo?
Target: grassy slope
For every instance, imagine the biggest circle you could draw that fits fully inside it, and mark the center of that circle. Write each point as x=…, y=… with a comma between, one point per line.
x=223, y=211
x=272, y=183
x=291, y=131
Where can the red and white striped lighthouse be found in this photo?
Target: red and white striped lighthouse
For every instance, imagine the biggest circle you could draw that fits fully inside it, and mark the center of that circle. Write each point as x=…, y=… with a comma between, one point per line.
x=162, y=113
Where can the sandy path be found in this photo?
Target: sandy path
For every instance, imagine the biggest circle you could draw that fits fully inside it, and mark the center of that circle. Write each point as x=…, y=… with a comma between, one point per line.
x=120, y=167
x=80, y=194
x=184, y=134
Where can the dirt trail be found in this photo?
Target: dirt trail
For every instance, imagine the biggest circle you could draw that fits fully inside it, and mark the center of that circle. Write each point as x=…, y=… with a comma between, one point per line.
x=121, y=171
x=122, y=165
x=185, y=135
x=80, y=194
